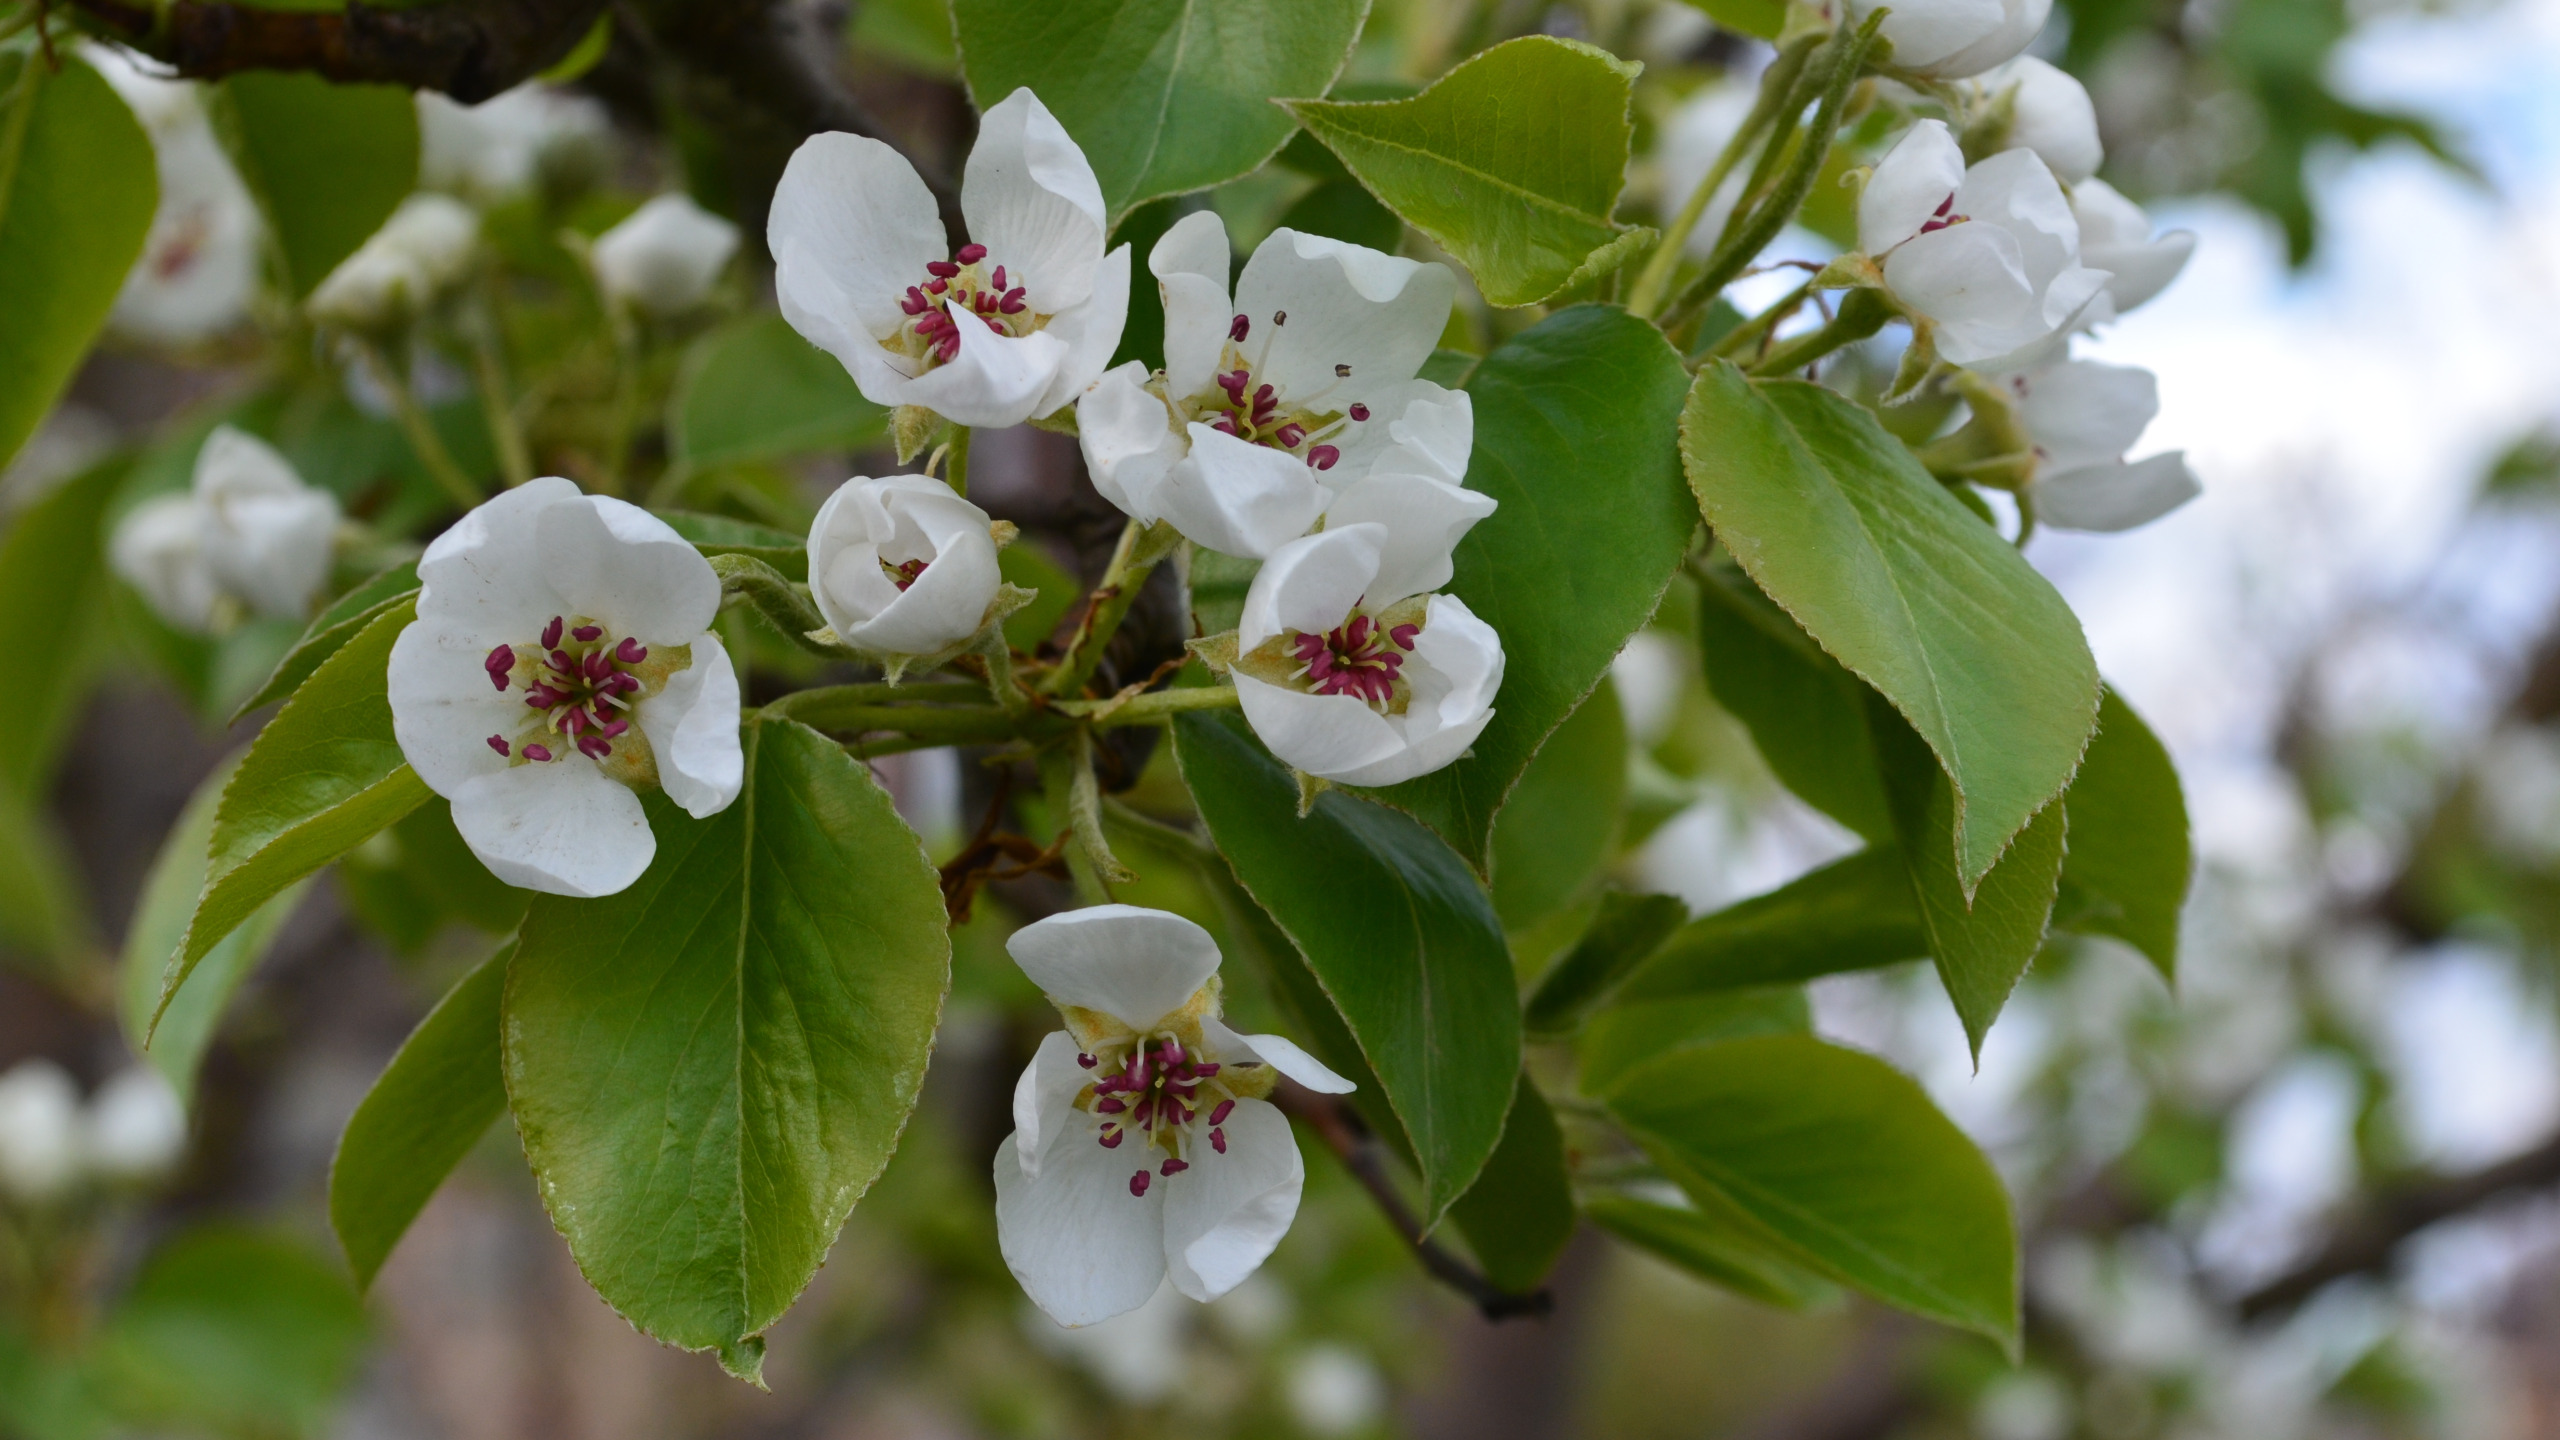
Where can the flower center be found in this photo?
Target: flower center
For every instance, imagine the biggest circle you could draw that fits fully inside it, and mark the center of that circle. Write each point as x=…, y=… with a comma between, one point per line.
x=582, y=682
x=1943, y=216
x=904, y=573
x=1168, y=1095
x=1256, y=412
x=1359, y=658
x=966, y=281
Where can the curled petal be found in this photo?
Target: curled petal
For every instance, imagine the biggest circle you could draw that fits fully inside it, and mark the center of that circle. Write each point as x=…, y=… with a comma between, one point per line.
x=2115, y=495
x=1084, y=1248
x=1190, y=265
x=1311, y=584
x=1230, y=1210
x=852, y=226
x=1236, y=497
x=560, y=827
x=1031, y=198
x=692, y=727
x=1044, y=1098
x=1129, y=440
x=1135, y=965
x=1910, y=184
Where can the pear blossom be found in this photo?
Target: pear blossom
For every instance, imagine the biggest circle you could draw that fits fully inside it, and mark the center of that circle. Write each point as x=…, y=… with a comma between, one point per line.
x=1011, y=326
x=248, y=531
x=902, y=565
x=1143, y=1144
x=1275, y=403
x=2050, y=113
x=137, y=1129
x=158, y=549
x=500, y=147
x=2115, y=236
x=664, y=257
x=2083, y=417
x=562, y=659
x=40, y=1151
x=1691, y=140
x=420, y=251
x=199, y=265
x=1951, y=39
x=1349, y=672
x=1988, y=256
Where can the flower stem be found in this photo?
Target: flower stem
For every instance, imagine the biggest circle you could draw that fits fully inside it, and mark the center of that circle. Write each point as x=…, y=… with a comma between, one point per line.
x=1155, y=707
x=1862, y=313
x=421, y=431
x=1064, y=769
x=1141, y=546
x=489, y=367
x=956, y=467
x=1775, y=83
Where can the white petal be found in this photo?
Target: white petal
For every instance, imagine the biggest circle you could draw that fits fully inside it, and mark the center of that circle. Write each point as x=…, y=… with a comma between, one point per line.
x=486, y=577
x=615, y=562
x=1919, y=174
x=1925, y=31
x=1277, y=1051
x=1335, y=736
x=665, y=255
x=852, y=227
x=1455, y=672
x=1191, y=263
x=2016, y=192
x=993, y=381
x=1311, y=584
x=1031, y=198
x=1084, y=1248
x=949, y=601
x=559, y=827
x=137, y=1126
x=443, y=708
x=1347, y=308
x=1091, y=333
x=1968, y=279
x=1424, y=517
x=692, y=727
x=1224, y=1215
x=2019, y=22
x=2051, y=115
x=2084, y=413
x=1129, y=440
x=234, y=463
x=274, y=551
x=158, y=549
x=1133, y=964
x=1434, y=433
x=1044, y=1098
x=2115, y=496
x=1236, y=497
x=40, y=1131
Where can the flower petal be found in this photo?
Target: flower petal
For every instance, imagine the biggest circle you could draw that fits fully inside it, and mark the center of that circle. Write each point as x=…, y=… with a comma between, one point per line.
x=1925, y=31
x=1455, y=669
x=443, y=708
x=948, y=602
x=993, y=381
x=1091, y=332
x=1277, y=1051
x=486, y=577
x=1044, y=1098
x=852, y=227
x=1335, y=736
x=1969, y=280
x=1425, y=518
x=1919, y=174
x=2115, y=496
x=1135, y=965
x=1225, y=1215
x=234, y=464
x=158, y=549
x=692, y=727
x=2115, y=236
x=1191, y=264
x=1236, y=497
x=1334, y=322
x=2019, y=23
x=1129, y=440
x=559, y=827
x=1031, y=198
x=1311, y=584
x=2084, y=413
x=2051, y=115
x=615, y=562
x=274, y=551
x=1084, y=1248
x=2015, y=192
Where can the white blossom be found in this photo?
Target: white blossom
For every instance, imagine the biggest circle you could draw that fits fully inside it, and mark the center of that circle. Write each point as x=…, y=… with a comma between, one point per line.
x=422, y=250
x=1348, y=672
x=1951, y=39
x=902, y=565
x=2050, y=113
x=137, y=1128
x=1011, y=326
x=1143, y=1145
x=249, y=531
x=158, y=549
x=561, y=659
x=2115, y=236
x=40, y=1151
x=1989, y=256
x=663, y=258
x=2083, y=417
x=1276, y=404
x=500, y=147
x=199, y=265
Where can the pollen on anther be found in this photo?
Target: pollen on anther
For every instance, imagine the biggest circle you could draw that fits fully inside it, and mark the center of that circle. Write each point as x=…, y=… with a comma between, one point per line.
x=1341, y=372
x=1175, y=1167
x=537, y=752
x=1218, y=1141
x=1279, y=317
x=499, y=744
x=1242, y=326
x=1138, y=1184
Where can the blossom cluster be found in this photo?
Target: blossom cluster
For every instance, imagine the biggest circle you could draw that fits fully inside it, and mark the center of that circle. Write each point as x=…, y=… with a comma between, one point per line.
x=132, y=1131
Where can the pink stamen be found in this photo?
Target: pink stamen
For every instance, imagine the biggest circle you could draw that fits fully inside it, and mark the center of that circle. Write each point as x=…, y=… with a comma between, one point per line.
x=551, y=632
x=499, y=744
x=586, y=634
x=1359, y=412
x=537, y=752
x=1219, y=1115
x=1240, y=327
x=941, y=268
x=1218, y=1141
x=1138, y=1184
x=1175, y=1167
x=1087, y=1061
x=1323, y=457
x=971, y=254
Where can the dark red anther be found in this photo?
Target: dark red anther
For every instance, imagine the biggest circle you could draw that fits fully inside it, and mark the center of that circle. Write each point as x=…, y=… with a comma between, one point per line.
x=501, y=659
x=1403, y=636
x=499, y=679
x=630, y=651
x=1112, y=1135
x=972, y=253
x=1110, y=1105
x=943, y=268
x=1323, y=457
x=537, y=752
x=915, y=303
x=1226, y=423
x=1138, y=1184
x=1087, y=1061
x=1359, y=412
x=1175, y=1167
x=1290, y=434
x=1218, y=1141
x=1001, y=287
x=1013, y=303
x=613, y=728
x=597, y=665
x=1240, y=327
x=936, y=286
x=551, y=632
x=593, y=747
x=499, y=744
x=588, y=634
x=1219, y=1115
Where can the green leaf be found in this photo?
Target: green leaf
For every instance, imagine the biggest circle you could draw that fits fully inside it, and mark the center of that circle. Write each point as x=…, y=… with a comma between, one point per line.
x=412, y=880
x=1511, y=162
x=42, y=910
x=343, y=620
x=1404, y=943
x=1519, y=1214
x=176, y=1049
x=1629, y=1034
x=1856, y=913
x=1574, y=437
x=1834, y=520
x=237, y=1331
x=1712, y=1247
x=1764, y=18
x=435, y=1100
x=1807, y=715
x=1557, y=829
x=1025, y=564
x=328, y=163
x=77, y=190
x=1841, y=1159
x=1165, y=96
x=723, y=535
x=1626, y=932
x=2127, y=869
x=754, y=390
x=712, y=1066
x=1984, y=941
x=323, y=776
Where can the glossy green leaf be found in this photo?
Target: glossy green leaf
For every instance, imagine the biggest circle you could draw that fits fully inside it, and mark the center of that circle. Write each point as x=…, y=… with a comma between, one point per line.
x=176, y=1049
x=1807, y=715
x=1841, y=1159
x=711, y=1067
x=1835, y=521
x=439, y=1095
x=343, y=620
x=754, y=390
x=2127, y=870
x=1558, y=827
x=412, y=881
x=239, y=1332
x=1633, y=1032
x=1574, y=437
x=1982, y=942
x=328, y=163
x=1398, y=934
x=321, y=778
x=1519, y=1214
x=1856, y=913
x=1623, y=935
x=77, y=191
x=725, y=535
x=1713, y=1248
x=1164, y=96
x=1511, y=162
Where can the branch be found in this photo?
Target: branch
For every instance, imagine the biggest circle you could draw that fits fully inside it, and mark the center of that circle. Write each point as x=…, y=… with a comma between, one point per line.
x=469, y=49
x=2368, y=1242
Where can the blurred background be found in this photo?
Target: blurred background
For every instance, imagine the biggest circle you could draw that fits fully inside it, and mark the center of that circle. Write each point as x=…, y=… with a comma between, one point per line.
x=2314, y=1192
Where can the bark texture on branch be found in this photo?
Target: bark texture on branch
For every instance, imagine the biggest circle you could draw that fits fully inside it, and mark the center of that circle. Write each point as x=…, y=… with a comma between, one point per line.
x=469, y=49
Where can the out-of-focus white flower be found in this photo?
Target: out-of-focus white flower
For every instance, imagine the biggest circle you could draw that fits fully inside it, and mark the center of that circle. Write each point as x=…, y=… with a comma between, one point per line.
x=1276, y=407
x=1138, y=1356
x=421, y=250
x=664, y=256
x=268, y=536
x=1011, y=326
x=2049, y=113
x=1334, y=1390
x=902, y=565
x=561, y=659
x=199, y=266
x=2083, y=417
x=1691, y=140
x=500, y=147
x=158, y=549
x=1951, y=39
x=1649, y=675
x=2115, y=236
x=1091, y=1223
x=137, y=1128
x=1348, y=674
x=40, y=1151
x=1989, y=256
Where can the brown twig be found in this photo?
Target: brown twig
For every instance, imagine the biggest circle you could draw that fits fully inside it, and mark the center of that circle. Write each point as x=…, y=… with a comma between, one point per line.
x=964, y=874
x=469, y=49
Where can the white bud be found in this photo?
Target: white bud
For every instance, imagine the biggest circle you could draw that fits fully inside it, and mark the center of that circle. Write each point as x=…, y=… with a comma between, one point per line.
x=39, y=1132
x=501, y=146
x=664, y=257
x=1951, y=39
x=158, y=549
x=424, y=247
x=2051, y=114
x=268, y=537
x=137, y=1127
x=902, y=565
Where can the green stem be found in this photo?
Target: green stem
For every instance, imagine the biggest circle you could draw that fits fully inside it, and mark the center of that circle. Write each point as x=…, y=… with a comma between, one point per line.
x=1009, y=694
x=1084, y=813
x=1775, y=83
x=489, y=367
x=422, y=432
x=1058, y=771
x=783, y=604
x=795, y=705
x=1153, y=708
x=955, y=470
x=947, y=724
x=1741, y=338
x=1141, y=546
x=1862, y=313
x=1166, y=837
x=626, y=398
